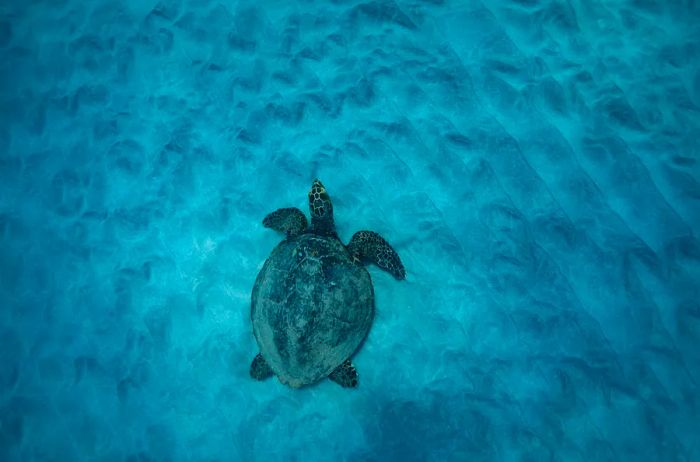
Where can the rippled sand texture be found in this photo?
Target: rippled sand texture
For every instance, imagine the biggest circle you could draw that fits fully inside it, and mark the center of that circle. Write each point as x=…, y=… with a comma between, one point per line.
x=534, y=163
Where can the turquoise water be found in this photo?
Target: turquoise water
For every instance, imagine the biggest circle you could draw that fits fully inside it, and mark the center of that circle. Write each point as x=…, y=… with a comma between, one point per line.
x=534, y=163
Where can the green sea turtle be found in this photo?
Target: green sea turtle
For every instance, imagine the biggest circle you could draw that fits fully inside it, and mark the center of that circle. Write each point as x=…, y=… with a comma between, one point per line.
x=313, y=301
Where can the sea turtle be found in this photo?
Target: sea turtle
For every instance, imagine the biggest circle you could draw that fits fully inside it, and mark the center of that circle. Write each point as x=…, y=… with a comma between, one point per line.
x=313, y=301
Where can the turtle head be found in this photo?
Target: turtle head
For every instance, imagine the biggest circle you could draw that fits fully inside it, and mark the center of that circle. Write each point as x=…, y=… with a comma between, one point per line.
x=320, y=204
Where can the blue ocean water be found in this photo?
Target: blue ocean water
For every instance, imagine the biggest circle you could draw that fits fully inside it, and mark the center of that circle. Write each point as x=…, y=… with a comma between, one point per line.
x=535, y=163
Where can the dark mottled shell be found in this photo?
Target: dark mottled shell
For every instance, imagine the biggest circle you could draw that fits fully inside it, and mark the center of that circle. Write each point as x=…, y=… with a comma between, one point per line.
x=312, y=307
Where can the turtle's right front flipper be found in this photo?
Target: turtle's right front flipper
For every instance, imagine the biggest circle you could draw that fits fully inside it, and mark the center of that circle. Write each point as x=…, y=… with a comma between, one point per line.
x=288, y=220
x=368, y=246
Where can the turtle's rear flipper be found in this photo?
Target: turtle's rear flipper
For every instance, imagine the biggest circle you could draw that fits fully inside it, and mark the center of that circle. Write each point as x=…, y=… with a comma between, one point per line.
x=345, y=375
x=368, y=246
x=288, y=220
x=259, y=369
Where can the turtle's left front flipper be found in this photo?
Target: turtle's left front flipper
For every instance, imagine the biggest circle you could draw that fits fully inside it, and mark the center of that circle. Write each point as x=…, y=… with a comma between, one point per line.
x=288, y=220
x=368, y=246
